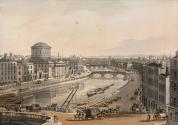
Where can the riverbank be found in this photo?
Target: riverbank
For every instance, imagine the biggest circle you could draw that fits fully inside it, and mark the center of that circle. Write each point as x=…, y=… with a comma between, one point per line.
x=31, y=86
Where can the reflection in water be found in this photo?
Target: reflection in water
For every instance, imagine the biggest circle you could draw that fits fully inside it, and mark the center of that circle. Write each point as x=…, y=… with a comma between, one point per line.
x=60, y=93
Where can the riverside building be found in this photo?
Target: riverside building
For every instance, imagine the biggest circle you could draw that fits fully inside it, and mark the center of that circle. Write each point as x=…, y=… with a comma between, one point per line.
x=173, y=108
x=8, y=72
x=25, y=71
x=155, y=87
x=44, y=67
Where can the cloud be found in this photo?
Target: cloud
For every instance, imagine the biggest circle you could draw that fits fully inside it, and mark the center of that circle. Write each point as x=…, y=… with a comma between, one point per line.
x=154, y=45
x=88, y=27
x=101, y=7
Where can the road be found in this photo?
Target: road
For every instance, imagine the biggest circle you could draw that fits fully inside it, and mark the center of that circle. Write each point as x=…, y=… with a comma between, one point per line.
x=127, y=91
x=136, y=119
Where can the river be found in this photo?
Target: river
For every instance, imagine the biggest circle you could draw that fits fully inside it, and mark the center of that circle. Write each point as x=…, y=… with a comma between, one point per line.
x=58, y=94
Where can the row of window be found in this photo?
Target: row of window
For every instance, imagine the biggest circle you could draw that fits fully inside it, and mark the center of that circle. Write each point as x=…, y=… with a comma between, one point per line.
x=7, y=65
x=8, y=68
x=8, y=72
x=28, y=78
x=8, y=78
x=28, y=67
x=42, y=65
x=28, y=72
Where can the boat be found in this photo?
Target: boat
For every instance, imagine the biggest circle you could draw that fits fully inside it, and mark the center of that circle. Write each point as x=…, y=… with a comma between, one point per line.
x=91, y=93
x=125, y=78
x=10, y=98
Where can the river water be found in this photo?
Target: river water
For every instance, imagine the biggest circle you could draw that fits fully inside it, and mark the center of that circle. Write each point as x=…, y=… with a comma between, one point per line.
x=58, y=94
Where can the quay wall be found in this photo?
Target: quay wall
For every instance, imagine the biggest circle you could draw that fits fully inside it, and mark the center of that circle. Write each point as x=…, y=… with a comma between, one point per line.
x=46, y=119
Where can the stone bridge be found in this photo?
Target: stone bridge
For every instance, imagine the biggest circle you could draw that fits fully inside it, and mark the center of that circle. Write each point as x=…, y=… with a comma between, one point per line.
x=114, y=73
x=97, y=67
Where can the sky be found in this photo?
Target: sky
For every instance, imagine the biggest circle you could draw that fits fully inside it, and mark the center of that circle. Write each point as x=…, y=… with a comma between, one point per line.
x=90, y=27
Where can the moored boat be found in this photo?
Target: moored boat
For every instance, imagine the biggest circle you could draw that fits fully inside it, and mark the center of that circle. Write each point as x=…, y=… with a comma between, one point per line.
x=10, y=98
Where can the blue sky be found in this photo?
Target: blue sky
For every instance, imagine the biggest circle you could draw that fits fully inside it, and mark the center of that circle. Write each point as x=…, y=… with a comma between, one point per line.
x=90, y=27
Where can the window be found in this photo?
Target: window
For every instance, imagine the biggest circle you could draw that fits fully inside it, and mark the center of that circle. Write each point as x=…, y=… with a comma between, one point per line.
x=171, y=100
x=176, y=116
x=170, y=116
x=175, y=62
x=175, y=74
x=174, y=102
x=174, y=87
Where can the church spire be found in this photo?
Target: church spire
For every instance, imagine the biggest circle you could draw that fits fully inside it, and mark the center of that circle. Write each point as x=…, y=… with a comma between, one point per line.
x=58, y=57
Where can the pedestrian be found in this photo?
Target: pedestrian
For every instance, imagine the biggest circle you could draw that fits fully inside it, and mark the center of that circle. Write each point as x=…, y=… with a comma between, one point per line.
x=148, y=117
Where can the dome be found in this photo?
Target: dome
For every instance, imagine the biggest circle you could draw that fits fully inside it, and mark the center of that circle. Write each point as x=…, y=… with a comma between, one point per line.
x=40, y=44
x=40, y=52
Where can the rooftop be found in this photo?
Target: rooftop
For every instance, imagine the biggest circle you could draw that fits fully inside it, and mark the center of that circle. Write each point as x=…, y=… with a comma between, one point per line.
x=41, y=44
x=155, y=64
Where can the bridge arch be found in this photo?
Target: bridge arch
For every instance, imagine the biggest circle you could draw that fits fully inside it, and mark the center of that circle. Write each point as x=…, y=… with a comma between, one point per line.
x=108, y=74
x=97, y=75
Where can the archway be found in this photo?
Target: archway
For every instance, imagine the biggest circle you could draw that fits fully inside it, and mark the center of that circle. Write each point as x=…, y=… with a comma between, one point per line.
x=108, y=76
x=96, y=75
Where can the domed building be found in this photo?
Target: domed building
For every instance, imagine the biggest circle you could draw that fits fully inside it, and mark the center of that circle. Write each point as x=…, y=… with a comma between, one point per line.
x=40, y=52
x=43, y=66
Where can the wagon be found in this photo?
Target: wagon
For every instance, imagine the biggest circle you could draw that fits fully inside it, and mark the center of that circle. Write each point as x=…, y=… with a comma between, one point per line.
x=158, y=116
x=91, y=113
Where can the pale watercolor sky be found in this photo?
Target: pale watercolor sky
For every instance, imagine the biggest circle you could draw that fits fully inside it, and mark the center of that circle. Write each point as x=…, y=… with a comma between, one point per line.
x=90, y=27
